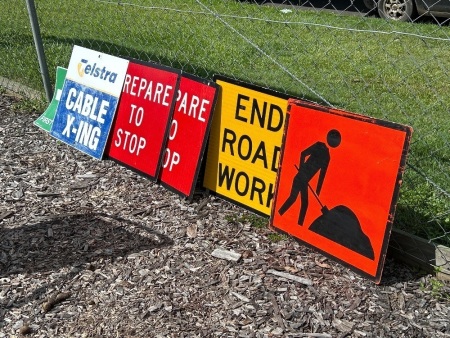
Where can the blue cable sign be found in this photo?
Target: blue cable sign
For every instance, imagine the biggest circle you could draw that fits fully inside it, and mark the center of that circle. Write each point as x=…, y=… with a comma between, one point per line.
x=89, y=100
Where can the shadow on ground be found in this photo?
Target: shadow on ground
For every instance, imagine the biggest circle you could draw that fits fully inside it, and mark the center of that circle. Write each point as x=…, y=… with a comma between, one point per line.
x=72, y=240
x=395, y=272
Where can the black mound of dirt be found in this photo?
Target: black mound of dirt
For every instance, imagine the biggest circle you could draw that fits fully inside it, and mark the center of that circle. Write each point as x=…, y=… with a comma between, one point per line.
x=341, y=225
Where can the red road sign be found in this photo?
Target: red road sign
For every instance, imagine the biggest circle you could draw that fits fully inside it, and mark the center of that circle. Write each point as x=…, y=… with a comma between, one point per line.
x=338, y=183
x=145, y=108
x=187, y=136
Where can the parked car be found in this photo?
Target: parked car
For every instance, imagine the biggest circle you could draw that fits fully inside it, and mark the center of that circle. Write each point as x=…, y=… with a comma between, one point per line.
x=407, y=10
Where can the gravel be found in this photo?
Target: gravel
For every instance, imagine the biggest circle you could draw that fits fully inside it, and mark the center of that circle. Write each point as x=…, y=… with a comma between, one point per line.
x=91, y=249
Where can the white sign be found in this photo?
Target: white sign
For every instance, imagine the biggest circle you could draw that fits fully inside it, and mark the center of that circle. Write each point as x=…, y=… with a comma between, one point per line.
x=96, y=70
x=89, y=100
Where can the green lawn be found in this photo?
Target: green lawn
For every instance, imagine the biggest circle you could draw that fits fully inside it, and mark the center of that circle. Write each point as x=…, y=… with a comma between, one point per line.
x=395, y=71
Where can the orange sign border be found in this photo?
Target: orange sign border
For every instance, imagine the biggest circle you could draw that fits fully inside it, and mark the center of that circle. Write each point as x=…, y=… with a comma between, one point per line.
x=374, y=273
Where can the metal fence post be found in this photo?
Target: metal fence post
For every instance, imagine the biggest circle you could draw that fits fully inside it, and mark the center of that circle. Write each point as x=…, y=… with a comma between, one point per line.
x=39, y=49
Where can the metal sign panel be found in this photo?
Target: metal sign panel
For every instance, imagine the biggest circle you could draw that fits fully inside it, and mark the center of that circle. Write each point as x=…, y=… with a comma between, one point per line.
x=142, y=123
x=245, y=144
x=45, y=121
x=89, y=100
x=188, y=134
x=338, y=184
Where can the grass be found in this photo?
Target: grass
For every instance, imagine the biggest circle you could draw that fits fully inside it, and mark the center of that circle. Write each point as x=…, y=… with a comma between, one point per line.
x=254, y=220
x=276, y=237
x=257, y=222
x=437, y=288
x=390, y=70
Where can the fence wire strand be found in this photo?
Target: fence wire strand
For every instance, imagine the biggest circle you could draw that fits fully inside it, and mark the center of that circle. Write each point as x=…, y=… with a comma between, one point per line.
x=282, y=22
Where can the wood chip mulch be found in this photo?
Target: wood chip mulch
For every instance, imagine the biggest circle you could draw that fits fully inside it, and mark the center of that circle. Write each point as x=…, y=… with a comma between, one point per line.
x=91, y=249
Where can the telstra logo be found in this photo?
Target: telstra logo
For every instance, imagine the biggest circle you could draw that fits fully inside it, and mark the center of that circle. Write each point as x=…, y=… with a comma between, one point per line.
x=84, y=68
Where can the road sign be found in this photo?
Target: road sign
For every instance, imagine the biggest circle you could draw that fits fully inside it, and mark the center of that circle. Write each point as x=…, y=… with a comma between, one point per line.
x=45, y=121
x=141, y=127
x=188, y=134
x=340, y=174
x=89, y=100
x=245, y=143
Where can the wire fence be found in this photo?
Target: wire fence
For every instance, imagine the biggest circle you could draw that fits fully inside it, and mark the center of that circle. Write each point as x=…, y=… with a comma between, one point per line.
x=337, y=53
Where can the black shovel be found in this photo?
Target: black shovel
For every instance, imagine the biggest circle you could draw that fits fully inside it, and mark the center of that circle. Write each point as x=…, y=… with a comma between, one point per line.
x=323, y=208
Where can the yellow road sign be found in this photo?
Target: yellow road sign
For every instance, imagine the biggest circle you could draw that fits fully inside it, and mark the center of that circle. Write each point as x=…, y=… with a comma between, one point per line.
x=245, y=144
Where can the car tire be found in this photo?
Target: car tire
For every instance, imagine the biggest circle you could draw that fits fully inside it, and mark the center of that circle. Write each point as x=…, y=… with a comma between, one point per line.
x=370, y=4
x=399, y=10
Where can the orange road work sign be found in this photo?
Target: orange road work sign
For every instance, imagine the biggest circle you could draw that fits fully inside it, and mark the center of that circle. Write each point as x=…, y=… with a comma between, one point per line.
x=338, y=183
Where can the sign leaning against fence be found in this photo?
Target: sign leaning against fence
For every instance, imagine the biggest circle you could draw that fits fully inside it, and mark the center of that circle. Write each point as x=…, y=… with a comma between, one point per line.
x=142, y=122
x=188, y=134
x=89, y=100
x=338, y=184
x=245, y=143
x=45, y=121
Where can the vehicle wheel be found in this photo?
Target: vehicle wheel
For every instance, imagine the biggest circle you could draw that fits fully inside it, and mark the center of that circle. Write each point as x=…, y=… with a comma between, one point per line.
x=370, y=4
x=400, y=10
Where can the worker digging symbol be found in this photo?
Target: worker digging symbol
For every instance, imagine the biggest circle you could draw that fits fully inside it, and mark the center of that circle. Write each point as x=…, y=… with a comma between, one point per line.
x=314, y=159
x=339, y=224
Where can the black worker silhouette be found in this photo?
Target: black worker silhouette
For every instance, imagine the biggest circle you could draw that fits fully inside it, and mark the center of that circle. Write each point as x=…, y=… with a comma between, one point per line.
x=313, y=159
x=339, y=224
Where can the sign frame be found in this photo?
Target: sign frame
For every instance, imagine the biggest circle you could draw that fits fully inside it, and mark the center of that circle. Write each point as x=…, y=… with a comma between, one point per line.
x=262, y=91
x=48, y=115
x=157, y=66
x=357, y=258
x=204, y=144
x=89, y=100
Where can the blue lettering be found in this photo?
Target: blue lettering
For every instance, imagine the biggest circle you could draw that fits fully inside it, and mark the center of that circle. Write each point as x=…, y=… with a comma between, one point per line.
x=95, y=71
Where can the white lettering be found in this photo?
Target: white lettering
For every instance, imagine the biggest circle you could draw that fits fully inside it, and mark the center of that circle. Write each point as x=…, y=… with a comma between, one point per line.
x=190, y=108
x=139, y=115
x=173, y=130
x=103, y=110
x=133, y=144
x=68, y=127
x=170, y=159
x=70, y=95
